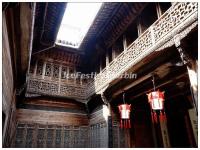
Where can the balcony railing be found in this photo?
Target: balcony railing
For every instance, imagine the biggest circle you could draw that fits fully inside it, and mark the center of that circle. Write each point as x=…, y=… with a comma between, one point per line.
x=79, y=92
x=178, y=17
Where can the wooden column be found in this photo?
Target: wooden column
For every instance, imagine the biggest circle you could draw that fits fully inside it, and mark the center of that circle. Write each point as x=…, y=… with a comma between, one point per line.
x=67, y=74
x=191, y=68
x=158, y=10
x=113, y=52
x=109, y=121
x=124, y=43
x=43, y=69
x=139, y=27
x=75, y=74
x=52, y=71
x=60, y=70
x=100, y=65
x=35, y=68
x=107, y=58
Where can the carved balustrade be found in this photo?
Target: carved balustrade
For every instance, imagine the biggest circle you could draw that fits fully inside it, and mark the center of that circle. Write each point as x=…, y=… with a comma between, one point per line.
x=174, y=21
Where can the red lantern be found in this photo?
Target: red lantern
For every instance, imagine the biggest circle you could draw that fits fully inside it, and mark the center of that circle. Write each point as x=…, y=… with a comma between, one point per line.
x=156, y=99
x=124, y=110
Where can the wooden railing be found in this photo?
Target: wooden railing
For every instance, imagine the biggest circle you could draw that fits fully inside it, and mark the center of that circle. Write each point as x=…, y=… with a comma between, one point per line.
x=56, y=88
x=178, y=17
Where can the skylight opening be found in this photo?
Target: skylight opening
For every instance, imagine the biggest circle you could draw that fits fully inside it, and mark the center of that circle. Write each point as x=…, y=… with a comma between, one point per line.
x=77, y=19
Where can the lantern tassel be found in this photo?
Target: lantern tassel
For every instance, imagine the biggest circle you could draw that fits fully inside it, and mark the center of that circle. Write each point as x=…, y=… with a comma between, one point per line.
x=129, y=123
x=162, y=116
x=121, y=125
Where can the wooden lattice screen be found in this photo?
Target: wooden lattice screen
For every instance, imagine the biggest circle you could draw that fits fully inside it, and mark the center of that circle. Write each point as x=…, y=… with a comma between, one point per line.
x=36, y=136
x=57, y=136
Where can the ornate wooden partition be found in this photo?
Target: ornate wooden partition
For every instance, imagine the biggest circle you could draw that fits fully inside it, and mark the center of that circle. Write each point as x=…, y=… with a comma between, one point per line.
x=48, y=136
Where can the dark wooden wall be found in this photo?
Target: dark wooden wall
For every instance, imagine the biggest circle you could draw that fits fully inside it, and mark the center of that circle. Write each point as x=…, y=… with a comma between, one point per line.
x=49, y=135
x=51, y=122
x=98, y=129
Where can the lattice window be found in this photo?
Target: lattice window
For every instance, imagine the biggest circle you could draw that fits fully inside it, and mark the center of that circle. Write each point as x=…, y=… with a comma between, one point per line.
x=48, y=69
x=39, y=67
x=56, y=71
x=20, y=136
x=41, y=138
x=63, y=72
x=49, y=138
x=66, y=137
x=29, y=137
x=58, y=137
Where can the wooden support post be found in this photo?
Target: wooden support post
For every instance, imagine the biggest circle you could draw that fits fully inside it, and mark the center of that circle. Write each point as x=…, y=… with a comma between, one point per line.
x=139, y=27
x=192, y=70
x=110, y=134
x=109, y=120
x=60, y=70
x=43, y=69
x=158, y=10
x=107, y=58
x=194, y=123
x=124, y=43
x=100, y=66
x=113, y=52
x=51, y=71
x=35, y=68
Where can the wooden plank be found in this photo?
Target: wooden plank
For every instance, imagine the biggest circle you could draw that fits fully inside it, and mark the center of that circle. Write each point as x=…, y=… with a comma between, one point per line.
x=44, y=117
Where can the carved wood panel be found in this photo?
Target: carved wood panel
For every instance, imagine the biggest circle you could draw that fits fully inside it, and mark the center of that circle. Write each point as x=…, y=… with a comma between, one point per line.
x=49, y=136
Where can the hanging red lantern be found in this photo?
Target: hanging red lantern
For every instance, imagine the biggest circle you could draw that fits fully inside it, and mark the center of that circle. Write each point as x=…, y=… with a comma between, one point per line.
x=125, y=110
x=156, y=99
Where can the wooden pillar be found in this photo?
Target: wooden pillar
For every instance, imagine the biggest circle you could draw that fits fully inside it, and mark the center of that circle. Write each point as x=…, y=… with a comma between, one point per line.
x=60, y=70
x=43, y=69
x=139, y=27
x=67, y=74
x=191, y=68
x=52, y=66
x=107, y=58
x=194, y=123
x=100, y=65
x=74, y=74
x=124, y=43
x=158, y=10
x=113, y=52
x=35, y=68
x=109, y=121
